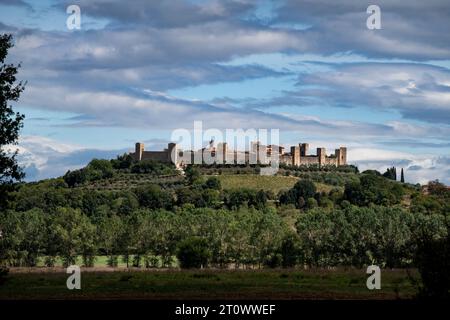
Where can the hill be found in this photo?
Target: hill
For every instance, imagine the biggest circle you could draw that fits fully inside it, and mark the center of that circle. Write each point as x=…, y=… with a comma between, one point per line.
x=120, y=213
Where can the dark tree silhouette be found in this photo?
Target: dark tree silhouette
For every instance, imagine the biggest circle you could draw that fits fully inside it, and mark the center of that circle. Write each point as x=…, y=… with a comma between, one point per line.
x=10, y=122
x=402, y=177
x=391, y=173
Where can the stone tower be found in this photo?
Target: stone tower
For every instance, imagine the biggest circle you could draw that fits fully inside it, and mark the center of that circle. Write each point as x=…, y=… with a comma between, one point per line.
x=138, y=151
x=342, y=159
x=172, y=153
x=321, y=155
x=222, y=152
x=304, y=148
x=295, y=154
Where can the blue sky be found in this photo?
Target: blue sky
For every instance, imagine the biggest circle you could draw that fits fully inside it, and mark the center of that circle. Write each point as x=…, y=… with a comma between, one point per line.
x=135, y=71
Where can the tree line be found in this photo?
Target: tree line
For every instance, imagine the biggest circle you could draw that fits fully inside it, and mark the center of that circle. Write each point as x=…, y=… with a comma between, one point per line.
x=247, y=237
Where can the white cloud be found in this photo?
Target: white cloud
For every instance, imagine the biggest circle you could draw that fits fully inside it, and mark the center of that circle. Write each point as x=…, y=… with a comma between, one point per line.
x=372, y=154
x=43, y=158
x=418, y=168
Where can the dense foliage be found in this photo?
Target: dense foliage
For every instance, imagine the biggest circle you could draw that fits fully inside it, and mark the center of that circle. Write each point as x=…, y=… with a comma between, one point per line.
x=157, y=217
x=10, y=122
x=200, y=224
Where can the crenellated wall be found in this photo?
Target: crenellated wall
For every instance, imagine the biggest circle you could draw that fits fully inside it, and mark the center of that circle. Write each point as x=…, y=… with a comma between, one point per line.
x=297, y=156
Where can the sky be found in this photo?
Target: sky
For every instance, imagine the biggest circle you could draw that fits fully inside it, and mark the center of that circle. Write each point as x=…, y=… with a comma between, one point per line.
x=137, y=70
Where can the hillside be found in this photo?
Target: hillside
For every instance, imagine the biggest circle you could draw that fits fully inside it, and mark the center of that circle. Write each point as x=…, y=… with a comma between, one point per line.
x=121, y=176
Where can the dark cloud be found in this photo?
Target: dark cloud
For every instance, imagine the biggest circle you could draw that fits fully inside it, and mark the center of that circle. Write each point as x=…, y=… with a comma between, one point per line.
x=82, y=157
x=410, y=31
x=143, y=45
x=38, y=119
x=415, y=143
x=164, y=13
x=143, y=57
x=443, y=160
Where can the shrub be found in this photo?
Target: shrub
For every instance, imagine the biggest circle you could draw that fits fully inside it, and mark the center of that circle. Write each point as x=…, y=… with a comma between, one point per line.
x=373, y=189
x=49, y=261
x=311, y=203
x=123, y=161
x=100, y=169
x=213, y=183
x=433, y=261
x=303, y=189
x=113, y=261
x=151, y=261
x=153, y=197
x=274, y=260
x=3, y=274
x=152, y=167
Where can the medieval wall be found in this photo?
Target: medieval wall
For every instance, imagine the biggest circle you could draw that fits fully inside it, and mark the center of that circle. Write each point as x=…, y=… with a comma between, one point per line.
x=298, y=155
x=155, y=155
x=331, y=161
x=309, y=160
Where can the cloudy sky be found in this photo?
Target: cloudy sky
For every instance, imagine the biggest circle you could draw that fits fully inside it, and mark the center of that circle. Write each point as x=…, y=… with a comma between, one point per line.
x=137, y=70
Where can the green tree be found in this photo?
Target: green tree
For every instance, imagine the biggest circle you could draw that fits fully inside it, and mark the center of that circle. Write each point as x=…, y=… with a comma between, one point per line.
x=153, y=197
x=192, y=174
x=76, y=177
x=303, y=189
x=22, y=238
x=190, y=195
x=100, y=169
x=32, y=226
x=193, y=253
x=74, y=235
x=153, y=167
x=109, y=233
x=127, y=203
x=122, y=162
x=290, y=251
x=268, y=230
x=391, y=173
x=11, y=238
x=10, y=122
x=402, y=177
x=373, y=189
x=260, y=199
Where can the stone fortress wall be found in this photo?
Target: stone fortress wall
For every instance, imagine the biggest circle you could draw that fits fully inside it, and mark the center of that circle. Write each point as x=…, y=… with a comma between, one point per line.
x=298, y=155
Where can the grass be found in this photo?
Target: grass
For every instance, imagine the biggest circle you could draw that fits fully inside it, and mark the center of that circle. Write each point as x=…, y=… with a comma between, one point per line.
x=209, y=284
x=266, y=183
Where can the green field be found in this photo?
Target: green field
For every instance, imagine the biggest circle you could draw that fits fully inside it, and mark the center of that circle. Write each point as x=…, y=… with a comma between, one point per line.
x=266, y=183
x=208, y=284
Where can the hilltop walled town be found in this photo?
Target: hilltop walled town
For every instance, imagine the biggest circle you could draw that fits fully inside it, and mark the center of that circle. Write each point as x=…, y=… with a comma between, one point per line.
x=297, y=155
